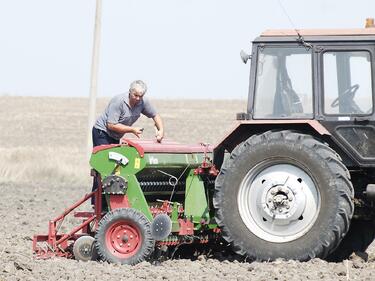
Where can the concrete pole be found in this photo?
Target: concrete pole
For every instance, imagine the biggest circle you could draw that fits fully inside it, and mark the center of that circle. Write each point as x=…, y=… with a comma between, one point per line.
x=94, y=74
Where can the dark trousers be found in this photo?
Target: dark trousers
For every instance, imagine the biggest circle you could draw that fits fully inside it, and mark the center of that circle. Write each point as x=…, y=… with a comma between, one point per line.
x=100, y=137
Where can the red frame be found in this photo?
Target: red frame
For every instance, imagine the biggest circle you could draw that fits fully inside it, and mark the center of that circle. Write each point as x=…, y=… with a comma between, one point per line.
x=55, y=244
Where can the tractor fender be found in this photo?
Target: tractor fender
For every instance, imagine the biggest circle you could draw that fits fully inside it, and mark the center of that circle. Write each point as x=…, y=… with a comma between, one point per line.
x=244, y=129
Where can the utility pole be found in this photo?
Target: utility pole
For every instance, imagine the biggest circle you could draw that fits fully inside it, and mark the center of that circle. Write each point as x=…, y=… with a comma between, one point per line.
x=94, y=74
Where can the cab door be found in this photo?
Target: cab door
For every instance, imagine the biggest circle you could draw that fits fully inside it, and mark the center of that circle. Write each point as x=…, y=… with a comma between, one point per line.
x=347, y=99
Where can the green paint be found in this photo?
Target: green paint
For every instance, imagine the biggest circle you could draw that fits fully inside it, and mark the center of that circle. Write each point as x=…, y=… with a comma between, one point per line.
x=173, y=160
x=196, y=204
x=136, y=198
x=100, y=161
x=174, y=217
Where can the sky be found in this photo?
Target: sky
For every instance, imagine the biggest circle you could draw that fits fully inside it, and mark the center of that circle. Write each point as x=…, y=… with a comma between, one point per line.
x=180, y=48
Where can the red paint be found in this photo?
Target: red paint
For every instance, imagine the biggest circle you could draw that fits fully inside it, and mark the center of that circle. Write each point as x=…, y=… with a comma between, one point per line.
x=207, y=170
x=169, y=147
x=165, y=146
x=58, y=244
x=118, y=201
x=165, y=208
x=103, y=147
x=186, y=227
x=312, y=123
x=216, y=230
x=134, y=144
x=83, y=214
x=125, y=142
x=123, y=239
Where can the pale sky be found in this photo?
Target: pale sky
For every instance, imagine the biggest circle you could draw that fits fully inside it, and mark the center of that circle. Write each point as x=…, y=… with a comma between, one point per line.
x=180, y=48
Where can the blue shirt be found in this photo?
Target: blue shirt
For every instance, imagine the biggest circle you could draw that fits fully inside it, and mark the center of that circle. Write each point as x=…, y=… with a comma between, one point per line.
x=119, y=111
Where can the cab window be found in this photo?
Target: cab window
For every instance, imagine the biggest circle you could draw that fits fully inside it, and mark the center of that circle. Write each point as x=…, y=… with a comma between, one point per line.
x=283, y=83
x=347, y=83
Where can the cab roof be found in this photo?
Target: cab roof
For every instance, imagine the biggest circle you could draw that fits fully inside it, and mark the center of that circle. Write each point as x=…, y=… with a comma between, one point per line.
x=320, y=32
x=287, y=35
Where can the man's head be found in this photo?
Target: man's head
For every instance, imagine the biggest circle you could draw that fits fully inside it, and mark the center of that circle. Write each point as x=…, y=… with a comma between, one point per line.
x=137, y=90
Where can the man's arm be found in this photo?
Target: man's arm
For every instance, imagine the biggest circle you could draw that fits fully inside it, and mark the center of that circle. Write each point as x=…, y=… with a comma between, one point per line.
x=123, y=129
x=159, y=126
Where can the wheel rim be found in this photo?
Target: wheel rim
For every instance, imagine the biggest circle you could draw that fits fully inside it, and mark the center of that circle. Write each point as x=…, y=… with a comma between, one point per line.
x=278, y=202
x=123, y=239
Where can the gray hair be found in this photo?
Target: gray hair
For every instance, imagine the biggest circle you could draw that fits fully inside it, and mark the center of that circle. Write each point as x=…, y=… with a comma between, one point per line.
x=138, y=86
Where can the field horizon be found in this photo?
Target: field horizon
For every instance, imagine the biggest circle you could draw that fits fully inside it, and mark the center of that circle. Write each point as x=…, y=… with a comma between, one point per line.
x=44, y=138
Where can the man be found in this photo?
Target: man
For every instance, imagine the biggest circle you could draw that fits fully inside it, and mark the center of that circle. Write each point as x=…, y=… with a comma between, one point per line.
x=122, y=112
x=119, y=116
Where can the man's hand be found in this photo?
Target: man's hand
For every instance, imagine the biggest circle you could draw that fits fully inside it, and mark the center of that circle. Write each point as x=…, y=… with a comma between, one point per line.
x=159, y=134
x=137, y=131
x=159, y=128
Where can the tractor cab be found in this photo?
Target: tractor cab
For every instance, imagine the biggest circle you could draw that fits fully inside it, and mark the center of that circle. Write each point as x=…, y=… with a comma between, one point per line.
x=288, y=75
x=317, y=75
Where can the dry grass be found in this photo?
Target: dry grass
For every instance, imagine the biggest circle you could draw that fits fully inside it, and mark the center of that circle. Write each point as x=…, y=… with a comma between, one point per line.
x=47, y=164
x=44, y=139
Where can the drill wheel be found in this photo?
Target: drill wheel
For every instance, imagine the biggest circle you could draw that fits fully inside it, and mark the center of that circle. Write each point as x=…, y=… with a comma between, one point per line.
x=124, y=236
x=83, y=249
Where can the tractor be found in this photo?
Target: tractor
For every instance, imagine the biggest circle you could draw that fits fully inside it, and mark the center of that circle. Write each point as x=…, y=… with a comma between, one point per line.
x=294, y=179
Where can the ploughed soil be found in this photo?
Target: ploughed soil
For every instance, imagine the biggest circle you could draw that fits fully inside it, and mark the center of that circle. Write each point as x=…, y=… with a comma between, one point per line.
x=44, y=169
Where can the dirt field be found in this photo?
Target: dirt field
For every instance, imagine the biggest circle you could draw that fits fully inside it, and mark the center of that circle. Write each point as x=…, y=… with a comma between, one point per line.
x=43, y=169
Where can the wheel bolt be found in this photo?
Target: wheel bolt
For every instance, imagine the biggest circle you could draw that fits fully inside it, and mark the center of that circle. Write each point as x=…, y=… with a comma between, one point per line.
x=128, y=244
x=121, y=244
x=291, y=199
x=288, y=207
x=131, y=236
x=118, y=236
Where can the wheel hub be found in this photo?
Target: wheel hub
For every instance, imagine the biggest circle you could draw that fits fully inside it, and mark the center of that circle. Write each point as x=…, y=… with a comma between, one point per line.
x=125, y=238
x=85, y=249
x=282, y=202
x=278, y=202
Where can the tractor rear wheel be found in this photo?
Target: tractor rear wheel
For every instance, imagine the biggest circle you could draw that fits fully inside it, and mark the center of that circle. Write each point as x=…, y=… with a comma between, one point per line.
x=283, y=194
x=124, y=236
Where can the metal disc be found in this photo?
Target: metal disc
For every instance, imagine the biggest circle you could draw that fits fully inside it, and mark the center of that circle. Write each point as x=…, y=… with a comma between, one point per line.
x=278, y=202
x=114, y=185
x=161, y=227
x=83, y=248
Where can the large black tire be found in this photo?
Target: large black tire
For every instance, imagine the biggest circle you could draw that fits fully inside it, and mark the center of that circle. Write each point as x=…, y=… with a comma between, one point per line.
x=283, y=194
x=360, y=235
x=124, y=236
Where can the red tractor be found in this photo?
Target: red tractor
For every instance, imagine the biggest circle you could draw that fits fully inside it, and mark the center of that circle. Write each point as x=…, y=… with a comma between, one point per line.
x=299, y=182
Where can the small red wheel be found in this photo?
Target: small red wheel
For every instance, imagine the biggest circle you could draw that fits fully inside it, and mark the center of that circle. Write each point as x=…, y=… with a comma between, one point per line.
x=124, y=236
